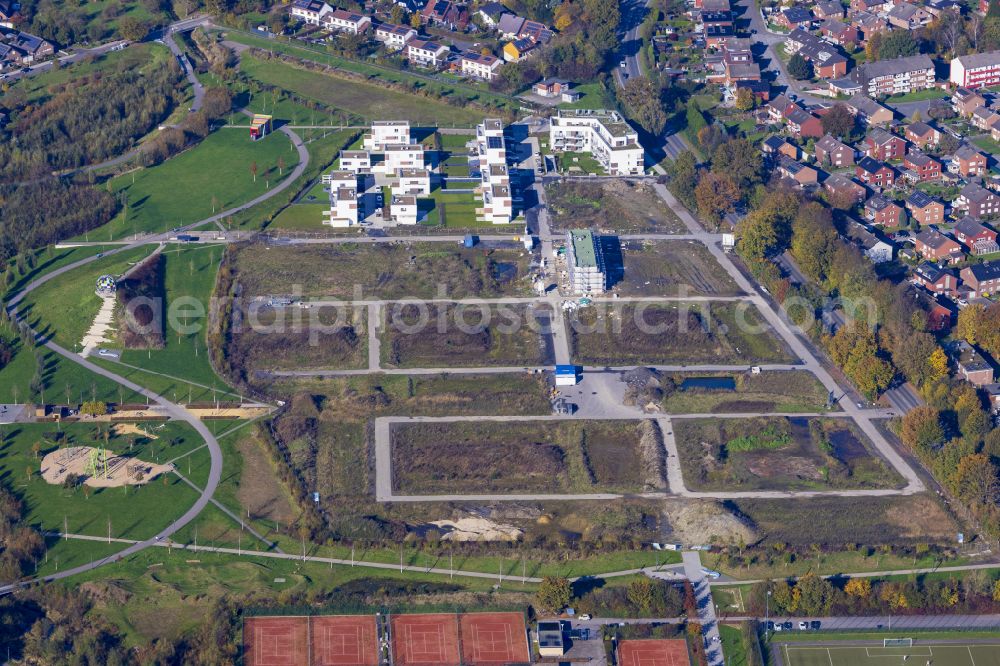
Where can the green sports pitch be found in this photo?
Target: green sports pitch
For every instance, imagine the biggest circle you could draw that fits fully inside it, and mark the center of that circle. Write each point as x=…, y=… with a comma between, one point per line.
x=971, y=654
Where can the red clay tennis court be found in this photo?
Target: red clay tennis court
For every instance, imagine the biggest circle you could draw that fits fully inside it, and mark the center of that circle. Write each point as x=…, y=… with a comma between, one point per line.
x=276, y=641
x=493, y=639
x=654, y=652
x=344, y=640
x=425, y=640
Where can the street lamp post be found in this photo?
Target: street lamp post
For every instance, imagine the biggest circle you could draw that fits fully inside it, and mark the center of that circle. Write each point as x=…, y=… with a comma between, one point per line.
x=767, y=612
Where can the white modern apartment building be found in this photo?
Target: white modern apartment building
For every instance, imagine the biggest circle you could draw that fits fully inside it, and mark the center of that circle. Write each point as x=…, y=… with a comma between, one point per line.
x=386, y=133
x=480, y=66
x=309, y=11
x=900, y=75
x=399, y=157
x=356, y=161
x=412, y=182
x=345, y=206
x=394, y=37
x=495, y=187
x=586, y=262
x=976, y=70
x=342, y=20
x=603, y=134
x=403, y=209
x=426, y=54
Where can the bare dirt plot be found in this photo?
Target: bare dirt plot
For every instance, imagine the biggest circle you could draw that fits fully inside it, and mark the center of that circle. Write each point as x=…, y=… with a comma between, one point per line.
x=776, y=453
x=648, y=333
x=844, y=520
x=455, y=336
x=769, y=391
x=653, y=652
x=259, y=489
x=353, y=398
x=618, y=205
x=493, y=639
x=672, y=268
x=539, y=456
x=382, y=271
x=293, y=338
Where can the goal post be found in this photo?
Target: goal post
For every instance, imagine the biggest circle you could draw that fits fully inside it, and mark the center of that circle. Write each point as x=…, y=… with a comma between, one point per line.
x=897, y=642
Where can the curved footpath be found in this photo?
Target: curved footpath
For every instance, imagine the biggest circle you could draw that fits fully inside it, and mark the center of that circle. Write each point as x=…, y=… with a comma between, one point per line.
x=175, y=411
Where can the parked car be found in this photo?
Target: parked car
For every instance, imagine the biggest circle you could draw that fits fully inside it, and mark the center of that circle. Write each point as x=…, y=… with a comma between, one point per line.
x=585, y=616
x=815, y=624
x=803, y=625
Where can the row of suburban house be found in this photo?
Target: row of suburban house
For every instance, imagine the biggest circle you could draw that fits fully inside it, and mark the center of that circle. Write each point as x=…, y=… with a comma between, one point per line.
x=524, y=35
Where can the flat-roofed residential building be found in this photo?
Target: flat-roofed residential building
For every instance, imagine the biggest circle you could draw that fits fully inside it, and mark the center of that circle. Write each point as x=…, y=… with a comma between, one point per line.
x=351, y=23
x=356, y=161
x=976, y=70
x=480, y=66
x=425, y=53
x=585, y=260
x=309, y=11
x=603, y=134
x=899, y=75
x=403, y=209
x=398, y=157
x=386, y=133
x=495, y=188
x=345, y=205
x=394, y=37
x=412, y=182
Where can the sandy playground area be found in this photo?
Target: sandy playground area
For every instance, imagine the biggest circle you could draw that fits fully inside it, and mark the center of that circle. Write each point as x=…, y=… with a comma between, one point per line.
x=122, y=470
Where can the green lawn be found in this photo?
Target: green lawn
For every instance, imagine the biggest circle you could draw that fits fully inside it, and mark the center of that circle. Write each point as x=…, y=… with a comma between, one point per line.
x=459, y=210
x=48, y=260
x=582, y=161
x=988, y=144
x=733, y=646
x=181, y=190
x=135, y=512
x=593, y=96
x=368, y=101
x=302, y=217
x=942, y=655
x=918, y=96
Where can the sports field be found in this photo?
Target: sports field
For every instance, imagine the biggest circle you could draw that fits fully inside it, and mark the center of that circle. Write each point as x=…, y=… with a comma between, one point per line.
x=929, y=654
x=653, y=652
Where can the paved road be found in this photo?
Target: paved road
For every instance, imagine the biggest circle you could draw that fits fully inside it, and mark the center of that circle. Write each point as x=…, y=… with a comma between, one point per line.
x=182, y=59
x=706, y=608
x=786, y=330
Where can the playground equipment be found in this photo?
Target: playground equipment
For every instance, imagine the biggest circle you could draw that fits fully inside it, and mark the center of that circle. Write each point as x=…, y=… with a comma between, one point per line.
x=97, y=463
x=106, y=285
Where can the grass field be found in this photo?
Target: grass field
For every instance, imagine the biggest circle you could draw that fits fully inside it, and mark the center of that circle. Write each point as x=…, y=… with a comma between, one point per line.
x=182, y=367
x=386, y=271
x=938, y=654
x=466, y=337
x=672, y=268
x=461, y=89
x=612, y=205
x=367, y=101
x=135, y=512
x=653, y=333
x=183, y=189
x=593, y=96
x=769, y=391
x=541, y=456
x=777, y=454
